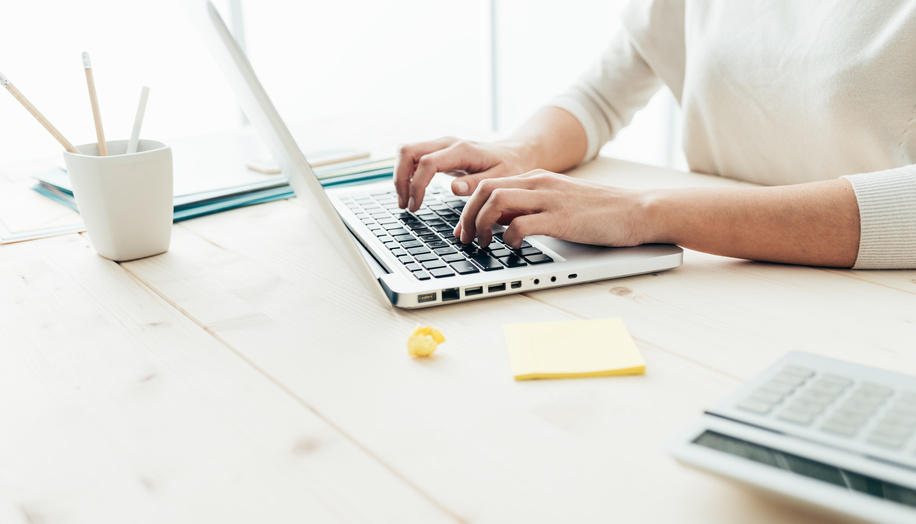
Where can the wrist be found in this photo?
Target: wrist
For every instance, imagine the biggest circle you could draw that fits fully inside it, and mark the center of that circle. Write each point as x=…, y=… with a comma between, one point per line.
x=658, y=213
x=524, y=153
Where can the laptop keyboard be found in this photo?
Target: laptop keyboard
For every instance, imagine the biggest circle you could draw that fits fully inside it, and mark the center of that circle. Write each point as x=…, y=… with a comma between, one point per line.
x=424, y=242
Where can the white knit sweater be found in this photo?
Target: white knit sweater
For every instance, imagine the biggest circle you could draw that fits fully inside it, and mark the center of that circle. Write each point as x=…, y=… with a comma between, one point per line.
x=777, y=92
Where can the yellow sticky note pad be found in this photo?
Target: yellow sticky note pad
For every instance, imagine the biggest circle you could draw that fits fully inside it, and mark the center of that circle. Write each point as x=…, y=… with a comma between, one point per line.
x=578, y=348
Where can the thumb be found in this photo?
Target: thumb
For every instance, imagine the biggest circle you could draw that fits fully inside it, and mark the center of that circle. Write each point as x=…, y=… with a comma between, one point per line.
x=466, y=184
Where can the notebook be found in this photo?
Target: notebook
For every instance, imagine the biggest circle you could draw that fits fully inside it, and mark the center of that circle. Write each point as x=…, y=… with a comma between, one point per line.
x=412, y=260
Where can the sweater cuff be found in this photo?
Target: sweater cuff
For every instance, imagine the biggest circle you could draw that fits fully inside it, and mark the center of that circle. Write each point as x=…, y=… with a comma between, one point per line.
x=887, y=217
x=591, y=119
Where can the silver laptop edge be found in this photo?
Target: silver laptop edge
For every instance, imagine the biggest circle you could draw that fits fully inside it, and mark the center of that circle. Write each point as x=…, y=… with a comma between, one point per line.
x=369, y=258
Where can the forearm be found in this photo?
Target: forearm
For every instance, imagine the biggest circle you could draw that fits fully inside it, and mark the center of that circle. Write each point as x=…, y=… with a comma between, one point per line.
x=551, y=139
x=811, y=224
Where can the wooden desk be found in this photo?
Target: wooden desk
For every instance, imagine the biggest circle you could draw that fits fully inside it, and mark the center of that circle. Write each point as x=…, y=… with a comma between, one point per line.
x=244, y=377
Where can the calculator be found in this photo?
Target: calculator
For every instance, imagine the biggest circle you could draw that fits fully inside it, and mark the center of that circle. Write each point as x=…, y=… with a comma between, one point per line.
x=828, y=433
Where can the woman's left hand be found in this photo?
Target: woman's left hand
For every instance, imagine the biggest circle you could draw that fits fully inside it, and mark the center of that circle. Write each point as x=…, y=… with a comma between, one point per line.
x=545, y=203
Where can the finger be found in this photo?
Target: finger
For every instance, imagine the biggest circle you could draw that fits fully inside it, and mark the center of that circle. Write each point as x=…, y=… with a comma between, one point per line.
x=501, y=201
x=460, y=155
x=407, y=157
x=479, y=198
x=527, y=225
x=465, y=185
x=506, y=218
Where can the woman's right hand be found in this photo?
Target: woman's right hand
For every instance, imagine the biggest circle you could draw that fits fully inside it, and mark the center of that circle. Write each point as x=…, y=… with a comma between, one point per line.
x=470, y=162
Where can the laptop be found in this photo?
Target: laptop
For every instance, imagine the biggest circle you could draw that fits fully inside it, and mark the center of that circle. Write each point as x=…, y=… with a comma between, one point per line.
x=830, y=434
x=412, y=260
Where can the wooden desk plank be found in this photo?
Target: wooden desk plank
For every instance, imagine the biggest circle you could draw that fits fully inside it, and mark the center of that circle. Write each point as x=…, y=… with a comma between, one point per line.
x=265, y=281
x=117, y=408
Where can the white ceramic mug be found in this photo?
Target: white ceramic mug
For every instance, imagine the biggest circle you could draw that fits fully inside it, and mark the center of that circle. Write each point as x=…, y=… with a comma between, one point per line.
x=126, y=201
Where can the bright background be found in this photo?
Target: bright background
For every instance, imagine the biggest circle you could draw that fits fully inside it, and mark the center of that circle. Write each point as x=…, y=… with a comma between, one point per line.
x=479, y=64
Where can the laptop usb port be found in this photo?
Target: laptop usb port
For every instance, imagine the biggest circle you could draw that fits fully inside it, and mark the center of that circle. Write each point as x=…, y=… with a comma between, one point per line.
x=450, y=294
x=494, y=288
x=426, y=297
x=471, y=291
x=516, y=284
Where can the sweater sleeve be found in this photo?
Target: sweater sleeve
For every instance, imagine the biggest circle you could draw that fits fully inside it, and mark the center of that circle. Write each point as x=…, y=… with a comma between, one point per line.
x=606, y=97
x=887, y=217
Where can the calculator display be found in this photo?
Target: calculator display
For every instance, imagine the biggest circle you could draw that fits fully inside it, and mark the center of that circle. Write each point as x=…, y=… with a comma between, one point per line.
x=808, y=468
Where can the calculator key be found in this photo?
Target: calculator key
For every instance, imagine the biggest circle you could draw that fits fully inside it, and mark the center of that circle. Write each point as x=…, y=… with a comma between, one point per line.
x=442, y=272
x=776, y=387
x=797, y=371
x=814, y=395
x=895, y=418
x=836, y=380
x=886, y=441
x=796, y=417
x=766, y=396
x=874, y=390
x=789, y=380
x=891, y=431
x=464, y=267
x=850, y=417
x=803, y=406
x=755, y=406
x=839, y=428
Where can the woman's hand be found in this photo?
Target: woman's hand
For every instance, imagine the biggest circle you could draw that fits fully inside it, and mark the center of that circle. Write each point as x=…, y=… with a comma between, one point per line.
x=471, y=162
x=544, y=203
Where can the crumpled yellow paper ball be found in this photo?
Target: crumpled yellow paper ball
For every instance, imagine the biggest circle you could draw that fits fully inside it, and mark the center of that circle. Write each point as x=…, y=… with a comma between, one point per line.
x=423, y=341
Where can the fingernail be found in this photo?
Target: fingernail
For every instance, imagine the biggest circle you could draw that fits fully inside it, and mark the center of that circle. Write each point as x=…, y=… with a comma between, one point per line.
x=410, y=204
x=462, y=187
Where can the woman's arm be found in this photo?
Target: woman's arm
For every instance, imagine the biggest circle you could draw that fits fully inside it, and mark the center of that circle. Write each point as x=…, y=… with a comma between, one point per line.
x=812, y=224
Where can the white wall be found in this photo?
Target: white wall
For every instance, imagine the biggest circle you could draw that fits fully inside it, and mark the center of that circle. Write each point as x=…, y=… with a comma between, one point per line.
x=418, y=59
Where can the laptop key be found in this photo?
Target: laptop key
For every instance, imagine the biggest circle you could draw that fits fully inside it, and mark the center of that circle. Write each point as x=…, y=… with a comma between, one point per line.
x=442, y=272
x=413, y=267
x=426, y=257
x=513, y=261
x=405, y=259
x=398, y=252
x=448, y=250
x=419, y=250
x=434, y=264
x=464, y=267
x=434, y=243
x=487, y=263
x=404, y=238
x=500, y=252
x=421, y=275
x=538, y=259
x=411, y=244
x=453, y=257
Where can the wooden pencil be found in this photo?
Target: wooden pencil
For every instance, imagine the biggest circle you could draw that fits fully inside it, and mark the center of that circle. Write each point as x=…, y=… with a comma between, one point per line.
x=93, y=99
x=37, y=114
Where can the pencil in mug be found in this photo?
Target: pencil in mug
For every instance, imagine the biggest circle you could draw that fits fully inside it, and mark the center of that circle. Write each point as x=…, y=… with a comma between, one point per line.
x=93, y=99
x=37, y=114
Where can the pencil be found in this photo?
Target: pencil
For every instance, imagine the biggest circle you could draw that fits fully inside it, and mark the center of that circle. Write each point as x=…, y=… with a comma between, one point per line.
x=93, y=99
x=37, y=114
